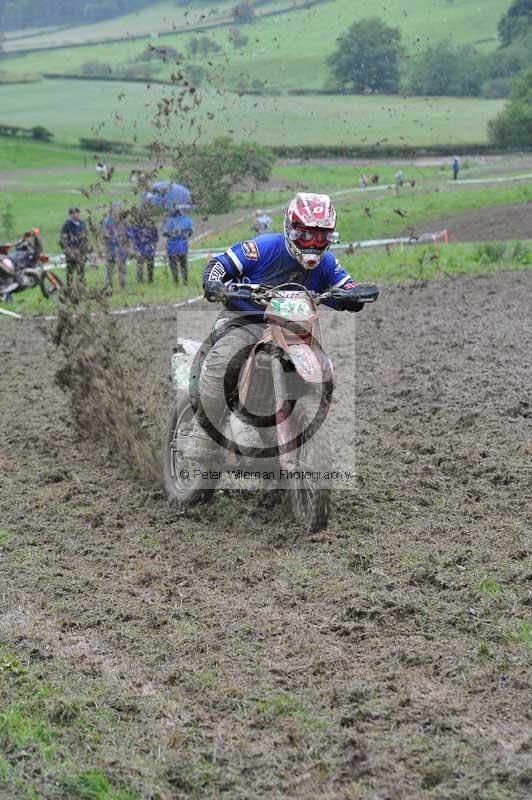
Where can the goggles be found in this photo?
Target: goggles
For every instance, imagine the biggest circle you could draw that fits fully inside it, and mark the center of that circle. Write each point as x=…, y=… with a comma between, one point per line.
x=313, y=237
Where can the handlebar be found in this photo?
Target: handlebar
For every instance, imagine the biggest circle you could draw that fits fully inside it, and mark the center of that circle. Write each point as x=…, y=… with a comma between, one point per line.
x=263, y=294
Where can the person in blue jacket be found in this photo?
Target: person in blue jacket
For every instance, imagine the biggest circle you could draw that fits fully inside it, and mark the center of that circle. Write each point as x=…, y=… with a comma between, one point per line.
x=299, y=255
x=455, y=167
x=142, y=232
x=178, y=228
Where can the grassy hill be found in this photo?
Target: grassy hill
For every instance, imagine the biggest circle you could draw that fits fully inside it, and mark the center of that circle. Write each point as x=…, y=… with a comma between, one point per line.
x=309, y=120
x=287, y=51
x=157, y=18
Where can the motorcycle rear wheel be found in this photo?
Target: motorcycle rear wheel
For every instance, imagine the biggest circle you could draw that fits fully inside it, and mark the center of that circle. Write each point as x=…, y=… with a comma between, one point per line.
x=310, y=496
x=180, y=482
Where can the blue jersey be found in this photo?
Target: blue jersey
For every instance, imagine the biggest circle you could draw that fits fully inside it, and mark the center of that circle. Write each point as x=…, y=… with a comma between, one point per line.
x=265, y=259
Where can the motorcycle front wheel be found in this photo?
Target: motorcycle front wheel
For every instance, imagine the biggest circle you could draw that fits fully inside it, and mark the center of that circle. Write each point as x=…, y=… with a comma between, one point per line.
x=183, y=481
x=309, y=483
x=50, y=284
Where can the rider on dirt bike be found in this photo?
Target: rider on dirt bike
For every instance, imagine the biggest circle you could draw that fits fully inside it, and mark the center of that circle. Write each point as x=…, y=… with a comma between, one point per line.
x=300, y=255
x=27, y=250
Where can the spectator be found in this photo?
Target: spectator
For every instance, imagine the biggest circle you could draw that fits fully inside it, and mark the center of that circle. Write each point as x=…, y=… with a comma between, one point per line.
x=142, y=232
x=113, y=231
x=262, y=221
x=178, y=229
x=364, y=182
x=74, y=242
x=399, y=181
x=455, y=166
x=102, y=170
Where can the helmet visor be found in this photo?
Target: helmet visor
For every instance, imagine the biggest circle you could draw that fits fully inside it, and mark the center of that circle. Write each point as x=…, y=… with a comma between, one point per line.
x=318, y=238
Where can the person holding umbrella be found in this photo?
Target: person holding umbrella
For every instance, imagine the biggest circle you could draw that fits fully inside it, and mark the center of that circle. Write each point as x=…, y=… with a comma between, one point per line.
x=178, y=228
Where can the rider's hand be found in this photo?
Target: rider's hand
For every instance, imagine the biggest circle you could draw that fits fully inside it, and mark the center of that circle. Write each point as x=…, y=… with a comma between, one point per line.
x=213, y=290
x=354, y=299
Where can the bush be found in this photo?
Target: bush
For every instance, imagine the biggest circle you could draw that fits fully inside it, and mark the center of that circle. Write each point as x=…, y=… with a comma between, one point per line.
x=490, y=252
x=136, y=71
x=202, y=45
x=195, y=74
x=237, y=38
x=367, y=58
x=98, y=68
x=41, y=134
x=497, y=87
x=163, y=54
x=243, y=12
x=513, y=126
x=517, y=19
x=37, y=132
x=105, y=145
x=510, y=61
x=447, y=70
x=213, y=171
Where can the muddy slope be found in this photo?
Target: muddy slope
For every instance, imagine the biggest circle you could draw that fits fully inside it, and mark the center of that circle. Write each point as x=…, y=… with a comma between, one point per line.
x=386, y=658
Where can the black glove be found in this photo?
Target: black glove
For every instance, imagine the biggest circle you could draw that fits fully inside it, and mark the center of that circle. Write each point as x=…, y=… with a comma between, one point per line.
x=213, y=290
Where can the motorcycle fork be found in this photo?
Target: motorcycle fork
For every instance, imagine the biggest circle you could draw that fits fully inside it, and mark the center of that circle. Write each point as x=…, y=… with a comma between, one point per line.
x=283, y=414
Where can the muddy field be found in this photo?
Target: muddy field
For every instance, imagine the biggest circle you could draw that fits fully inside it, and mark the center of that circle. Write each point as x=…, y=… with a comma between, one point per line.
x=223, y=653
x=492, y=224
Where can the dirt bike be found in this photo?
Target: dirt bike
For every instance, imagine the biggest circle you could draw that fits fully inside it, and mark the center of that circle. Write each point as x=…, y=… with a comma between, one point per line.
x=23, y=267
x=275, y=413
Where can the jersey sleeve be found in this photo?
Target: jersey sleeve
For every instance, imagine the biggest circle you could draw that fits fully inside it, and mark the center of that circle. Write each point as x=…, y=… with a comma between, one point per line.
x=335, y=277
x=237, y=263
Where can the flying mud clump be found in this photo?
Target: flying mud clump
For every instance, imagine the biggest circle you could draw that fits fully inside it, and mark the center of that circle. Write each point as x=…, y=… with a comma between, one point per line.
x=98, y=373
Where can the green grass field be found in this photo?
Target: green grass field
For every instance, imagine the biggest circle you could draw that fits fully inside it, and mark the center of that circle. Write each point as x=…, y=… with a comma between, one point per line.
x=156, y=18
x=380, y=219
x=33, y=196
x=287, y=51
x=126, y=111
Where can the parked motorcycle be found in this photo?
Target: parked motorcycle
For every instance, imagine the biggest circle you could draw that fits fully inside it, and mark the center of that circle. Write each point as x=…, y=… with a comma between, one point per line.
x=277, y=409
x=23, y=266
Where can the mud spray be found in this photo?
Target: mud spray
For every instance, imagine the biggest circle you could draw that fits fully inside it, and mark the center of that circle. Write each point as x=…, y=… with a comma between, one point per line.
x=100, y=374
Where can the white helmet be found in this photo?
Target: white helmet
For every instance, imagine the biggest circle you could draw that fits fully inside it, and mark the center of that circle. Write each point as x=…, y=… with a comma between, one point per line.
x=310, y=228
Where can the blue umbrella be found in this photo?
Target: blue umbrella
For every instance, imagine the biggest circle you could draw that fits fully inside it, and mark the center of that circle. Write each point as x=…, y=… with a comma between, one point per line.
x=166, y=194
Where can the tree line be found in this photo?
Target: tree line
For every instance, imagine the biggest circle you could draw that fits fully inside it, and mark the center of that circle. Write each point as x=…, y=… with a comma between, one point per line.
x=371, y=57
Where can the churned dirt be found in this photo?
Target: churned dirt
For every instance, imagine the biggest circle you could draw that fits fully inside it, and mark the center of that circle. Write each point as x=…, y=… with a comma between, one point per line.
x=387, y=658
x=491, y=224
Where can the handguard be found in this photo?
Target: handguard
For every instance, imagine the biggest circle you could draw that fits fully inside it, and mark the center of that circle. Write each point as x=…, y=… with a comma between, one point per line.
x=217, y=290
x=355, y=298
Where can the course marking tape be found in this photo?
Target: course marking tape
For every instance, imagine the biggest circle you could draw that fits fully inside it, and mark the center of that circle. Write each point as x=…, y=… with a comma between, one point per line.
x=501, y=179
x=410, y=240
x=10, y=313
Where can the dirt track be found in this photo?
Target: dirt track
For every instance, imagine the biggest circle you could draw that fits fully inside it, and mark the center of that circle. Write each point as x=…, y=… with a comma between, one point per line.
x=383, y=659
x=492, y=224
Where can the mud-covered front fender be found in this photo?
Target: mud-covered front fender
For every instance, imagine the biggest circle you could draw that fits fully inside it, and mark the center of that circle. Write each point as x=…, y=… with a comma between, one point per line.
x=311, y=363
x=186, y=366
